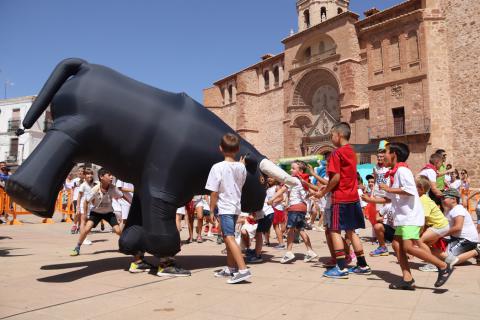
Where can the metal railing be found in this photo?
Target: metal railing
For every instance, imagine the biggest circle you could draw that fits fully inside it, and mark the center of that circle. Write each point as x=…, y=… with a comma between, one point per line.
x=317, y=57
x=399, y=127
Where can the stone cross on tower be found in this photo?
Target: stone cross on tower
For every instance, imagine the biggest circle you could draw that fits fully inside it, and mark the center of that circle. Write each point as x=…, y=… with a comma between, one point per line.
x=313, y=12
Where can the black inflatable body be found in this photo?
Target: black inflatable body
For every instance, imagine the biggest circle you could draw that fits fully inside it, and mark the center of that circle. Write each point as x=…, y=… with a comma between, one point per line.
x=164, y=143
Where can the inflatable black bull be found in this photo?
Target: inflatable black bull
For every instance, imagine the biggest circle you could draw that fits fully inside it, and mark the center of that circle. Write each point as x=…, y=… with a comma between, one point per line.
x=164, y=143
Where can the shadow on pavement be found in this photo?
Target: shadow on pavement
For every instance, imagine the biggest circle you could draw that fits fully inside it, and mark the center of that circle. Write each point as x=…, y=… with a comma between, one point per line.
x=389, y=277
x=5, y=252
x=92, y=267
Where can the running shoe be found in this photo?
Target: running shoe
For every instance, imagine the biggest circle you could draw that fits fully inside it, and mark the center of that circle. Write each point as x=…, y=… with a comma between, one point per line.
x=428, y=268
x=169, y=269
x=360, y=270
x=289, y=256
x=239, y=277
x=75, y=252
x=87, y=242
x=73, y=230
x=254, y=259
x=280, y=247
x=380, y=251
x=224, y=273
x=139, y=267
x=310, y=256
x=336, y=273
x=443, y=276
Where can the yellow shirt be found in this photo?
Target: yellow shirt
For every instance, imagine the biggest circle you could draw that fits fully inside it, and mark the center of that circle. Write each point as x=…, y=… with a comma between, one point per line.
x=433, y=215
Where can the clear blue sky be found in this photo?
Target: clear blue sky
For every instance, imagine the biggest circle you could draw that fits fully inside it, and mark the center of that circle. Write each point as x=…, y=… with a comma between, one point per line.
x=176, y=45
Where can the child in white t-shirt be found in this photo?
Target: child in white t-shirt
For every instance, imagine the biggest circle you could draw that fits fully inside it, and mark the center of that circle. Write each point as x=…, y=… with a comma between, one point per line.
x=83, y=207
x=225, y=181
x=408, y=216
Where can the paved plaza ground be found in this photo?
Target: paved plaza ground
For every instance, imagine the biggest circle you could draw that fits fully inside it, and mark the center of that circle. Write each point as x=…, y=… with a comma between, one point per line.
x=39, y=280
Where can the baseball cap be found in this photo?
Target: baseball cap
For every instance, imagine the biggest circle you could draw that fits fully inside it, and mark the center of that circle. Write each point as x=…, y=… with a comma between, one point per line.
x=451, y=193
x=382, y=145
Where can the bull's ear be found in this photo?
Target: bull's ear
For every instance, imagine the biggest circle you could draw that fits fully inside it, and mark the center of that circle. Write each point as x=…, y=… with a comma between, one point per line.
x=251, y=164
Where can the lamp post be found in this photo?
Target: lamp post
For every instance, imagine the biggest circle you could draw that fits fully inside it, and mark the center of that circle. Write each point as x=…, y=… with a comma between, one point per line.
x=7, y=83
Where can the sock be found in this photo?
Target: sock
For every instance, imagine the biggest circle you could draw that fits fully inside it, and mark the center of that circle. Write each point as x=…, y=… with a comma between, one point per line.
x=361, y=262
x=78, y=246
x=340, y=256
x=232, y=270
x=243, y=271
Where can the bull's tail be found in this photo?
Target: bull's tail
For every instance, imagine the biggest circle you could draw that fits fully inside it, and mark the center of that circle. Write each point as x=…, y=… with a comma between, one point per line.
x=62, y=72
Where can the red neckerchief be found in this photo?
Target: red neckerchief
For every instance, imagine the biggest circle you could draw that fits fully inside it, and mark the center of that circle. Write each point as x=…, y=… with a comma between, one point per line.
x=304, y=177
x=430, y=166
x=391, y=173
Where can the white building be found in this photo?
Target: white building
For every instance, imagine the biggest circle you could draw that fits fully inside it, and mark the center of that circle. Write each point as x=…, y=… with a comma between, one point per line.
x=14, y=150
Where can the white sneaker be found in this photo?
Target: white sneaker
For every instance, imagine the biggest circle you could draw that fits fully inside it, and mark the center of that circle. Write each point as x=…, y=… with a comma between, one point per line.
x=239, y=277
x=209, y=234
x=310, y=256
x=289, y=256
x=87, y=242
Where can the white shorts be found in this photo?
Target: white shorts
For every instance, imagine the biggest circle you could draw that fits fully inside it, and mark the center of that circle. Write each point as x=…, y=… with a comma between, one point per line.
x=441, y=232
x=181, y=210
x=251, y=229
x=125, y=211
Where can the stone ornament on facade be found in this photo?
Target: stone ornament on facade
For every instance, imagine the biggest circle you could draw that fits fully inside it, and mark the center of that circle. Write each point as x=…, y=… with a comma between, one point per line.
x=397, y=91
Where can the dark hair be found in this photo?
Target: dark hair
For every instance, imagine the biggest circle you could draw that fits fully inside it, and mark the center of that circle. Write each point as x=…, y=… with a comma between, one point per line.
x=440, y=151
x=230, y=143
x=400, y=149
x=103, y=172
x=449, y=166
x=343, y=129
x=87, y=171
x=369, y=176
x=435, y=157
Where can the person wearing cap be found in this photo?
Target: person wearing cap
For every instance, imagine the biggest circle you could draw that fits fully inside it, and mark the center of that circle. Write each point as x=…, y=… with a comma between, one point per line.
x=463, y=242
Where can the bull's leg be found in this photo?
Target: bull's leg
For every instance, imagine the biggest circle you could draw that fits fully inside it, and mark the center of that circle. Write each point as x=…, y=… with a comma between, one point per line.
x=36, y=183
x=132, y=239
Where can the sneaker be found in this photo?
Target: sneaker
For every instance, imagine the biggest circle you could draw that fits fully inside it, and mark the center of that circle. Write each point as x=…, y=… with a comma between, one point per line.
x=224, y=273
x=87, y=242
x=330, y=263
x=75, y=252
x=403, y=285
x=289, y=256
x=209, y=234
x=73, y=230
x=219, y=240
x=207, y=229
x=239, y=277
x=310, y=256
x=169, y=269
x=254, y=259
x=214, y=230
x=451, y=260
x=249, y=252
x=139, y=267
x=360, y=270
x=63, y=220
x=380, y=251
x=280, y=247
x=336, y=273
x=428, y=268
x=443, y=276
x=199, y=239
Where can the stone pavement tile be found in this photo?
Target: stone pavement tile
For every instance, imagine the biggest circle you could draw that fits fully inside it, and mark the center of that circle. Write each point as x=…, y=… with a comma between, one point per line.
x=6, y=310
x=432, y=315
x=362, y=312
x=300, y=309
x=94, y=306
x=36, y=315
x=283, y=287
x=250, y=306
x=205, y=315
x=147, y=310
x=450, y=302
x=384, y=297
x=335, y=292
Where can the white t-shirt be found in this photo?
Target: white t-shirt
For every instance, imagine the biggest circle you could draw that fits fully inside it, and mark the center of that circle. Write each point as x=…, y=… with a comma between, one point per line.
x=430, y=174
x=408, y=210
x=227, y=178
x=448, y=179
x=267, y=210
x=102, y=202
x=85, y=189
x=379, y=173
x=469, y=231
x=296, y=194
x=76, y=185
x=363, y=204
x=456, y=184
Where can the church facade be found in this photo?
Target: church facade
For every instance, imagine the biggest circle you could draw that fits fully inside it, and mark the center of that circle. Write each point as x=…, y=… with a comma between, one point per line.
x=404, y=74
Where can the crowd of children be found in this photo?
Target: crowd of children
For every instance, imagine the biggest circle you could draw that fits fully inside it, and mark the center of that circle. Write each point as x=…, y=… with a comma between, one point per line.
x=421, y=215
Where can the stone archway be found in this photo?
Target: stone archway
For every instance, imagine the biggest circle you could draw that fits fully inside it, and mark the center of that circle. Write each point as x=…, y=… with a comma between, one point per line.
x=316, y=96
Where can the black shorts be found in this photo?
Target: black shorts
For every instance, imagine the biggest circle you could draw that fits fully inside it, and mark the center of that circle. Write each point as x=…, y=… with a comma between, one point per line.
x=389, y=232
x=97, y=217
x=265, y=224
x=346, y=217
x=457, y=246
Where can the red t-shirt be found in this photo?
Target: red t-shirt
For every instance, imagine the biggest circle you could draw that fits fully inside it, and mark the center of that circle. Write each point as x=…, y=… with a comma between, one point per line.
x=344, y=161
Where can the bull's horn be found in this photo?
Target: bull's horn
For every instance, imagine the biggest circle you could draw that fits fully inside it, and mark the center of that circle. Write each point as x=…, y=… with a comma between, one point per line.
x=272, y=170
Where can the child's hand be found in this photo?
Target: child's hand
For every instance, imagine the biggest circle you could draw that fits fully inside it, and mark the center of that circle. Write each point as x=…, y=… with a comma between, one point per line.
x=310, y=169
x=242, y=159
x=366, y=197
x=383, y=187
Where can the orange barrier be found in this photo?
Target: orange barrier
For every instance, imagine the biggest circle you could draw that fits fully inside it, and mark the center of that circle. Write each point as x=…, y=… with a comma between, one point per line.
x=64, y=205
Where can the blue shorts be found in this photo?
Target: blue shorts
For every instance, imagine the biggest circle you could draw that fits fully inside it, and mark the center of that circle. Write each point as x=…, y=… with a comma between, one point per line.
x=346, y=217
x=265, y=224
x=296, y=219
x=227, y=223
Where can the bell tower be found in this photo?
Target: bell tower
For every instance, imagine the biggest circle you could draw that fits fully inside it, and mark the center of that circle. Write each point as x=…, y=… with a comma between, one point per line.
x=313, y=12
